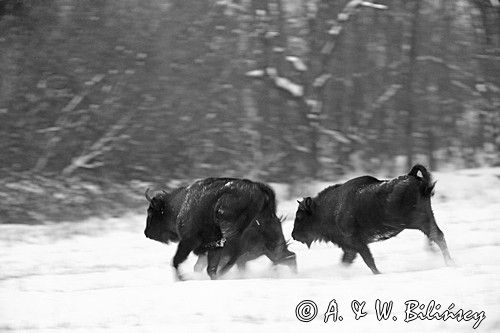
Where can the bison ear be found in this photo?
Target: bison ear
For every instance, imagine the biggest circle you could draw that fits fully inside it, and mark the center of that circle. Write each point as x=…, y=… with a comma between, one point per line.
x=147, y=195
x=308, y=205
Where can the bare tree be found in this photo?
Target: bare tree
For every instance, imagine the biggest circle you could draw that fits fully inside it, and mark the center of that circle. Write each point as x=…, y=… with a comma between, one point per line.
x=308, y=91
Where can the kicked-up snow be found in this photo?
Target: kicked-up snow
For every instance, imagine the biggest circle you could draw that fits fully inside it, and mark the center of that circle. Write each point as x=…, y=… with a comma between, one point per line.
x=104, y=275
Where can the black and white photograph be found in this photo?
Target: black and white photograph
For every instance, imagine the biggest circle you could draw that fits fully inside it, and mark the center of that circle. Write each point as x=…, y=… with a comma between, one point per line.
x=249, y=165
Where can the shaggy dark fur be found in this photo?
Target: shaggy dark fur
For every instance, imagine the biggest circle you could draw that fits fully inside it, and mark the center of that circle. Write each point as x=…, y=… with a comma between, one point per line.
x=220, y=217
x=365, y=210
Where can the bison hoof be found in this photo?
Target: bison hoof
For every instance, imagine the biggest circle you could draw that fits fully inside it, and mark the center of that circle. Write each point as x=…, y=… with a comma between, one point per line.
x=450, y=262
x=179, y=276
x=346, y=263
x=292, y=265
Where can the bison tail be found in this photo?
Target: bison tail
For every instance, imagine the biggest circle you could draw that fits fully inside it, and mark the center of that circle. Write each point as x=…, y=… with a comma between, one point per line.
x=427, y=185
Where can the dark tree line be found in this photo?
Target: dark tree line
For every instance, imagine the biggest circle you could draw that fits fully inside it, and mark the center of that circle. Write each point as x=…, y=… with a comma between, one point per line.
x=109, y=92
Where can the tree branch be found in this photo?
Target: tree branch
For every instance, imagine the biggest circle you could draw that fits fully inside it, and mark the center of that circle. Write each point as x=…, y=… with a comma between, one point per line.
x=99, y=147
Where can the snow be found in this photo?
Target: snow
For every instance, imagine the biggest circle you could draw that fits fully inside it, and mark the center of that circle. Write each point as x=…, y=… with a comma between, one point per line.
x=321, y=80
x=298, y=64
x=255, y=73
x=373, y=5
x=104, y=275
x=295, y=89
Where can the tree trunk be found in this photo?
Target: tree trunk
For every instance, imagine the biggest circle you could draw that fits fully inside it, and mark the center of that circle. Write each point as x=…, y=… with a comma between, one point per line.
x=410, y=85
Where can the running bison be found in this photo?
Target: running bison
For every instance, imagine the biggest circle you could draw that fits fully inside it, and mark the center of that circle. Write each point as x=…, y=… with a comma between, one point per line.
x=235, y=218
x=365, y=210
x=258, y=240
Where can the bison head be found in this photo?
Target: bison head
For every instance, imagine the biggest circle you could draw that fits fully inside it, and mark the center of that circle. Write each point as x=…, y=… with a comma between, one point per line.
x=160, y=223
x=274, y=241
x=303, y=228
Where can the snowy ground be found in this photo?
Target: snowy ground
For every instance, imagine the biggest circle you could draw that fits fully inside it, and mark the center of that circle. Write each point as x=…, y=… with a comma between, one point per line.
x=102, y=275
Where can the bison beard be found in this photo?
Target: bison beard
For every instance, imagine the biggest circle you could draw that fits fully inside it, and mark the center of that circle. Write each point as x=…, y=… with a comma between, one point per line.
x=365, y=210
x=210, y=216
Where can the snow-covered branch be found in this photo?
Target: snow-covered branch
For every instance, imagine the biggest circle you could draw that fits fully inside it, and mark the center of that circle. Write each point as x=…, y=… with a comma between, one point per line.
x=294, y=89
x=312, y=103
x=387, y=95
x=321, y=80
x=99, y=147
x=336, y=135
x=297, y=63
x=373, y=5
x=257, y=73
x=61, y=123
x=441, y=61
x=72, y=104
x=487, y=57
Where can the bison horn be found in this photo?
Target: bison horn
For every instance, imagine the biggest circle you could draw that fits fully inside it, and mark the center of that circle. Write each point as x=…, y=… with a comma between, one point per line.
x=148, y=197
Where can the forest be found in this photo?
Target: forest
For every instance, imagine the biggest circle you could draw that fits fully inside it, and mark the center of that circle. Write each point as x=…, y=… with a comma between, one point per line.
x=100, y=99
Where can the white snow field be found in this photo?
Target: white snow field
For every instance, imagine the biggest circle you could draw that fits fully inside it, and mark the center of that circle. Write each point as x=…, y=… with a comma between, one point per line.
x=104, y=275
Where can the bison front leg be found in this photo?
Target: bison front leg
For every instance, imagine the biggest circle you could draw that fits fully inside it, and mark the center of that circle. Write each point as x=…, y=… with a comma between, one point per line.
x=232, y=222
x=183, y=249
x=366, y=254
x=232, y=250
x=213, y=260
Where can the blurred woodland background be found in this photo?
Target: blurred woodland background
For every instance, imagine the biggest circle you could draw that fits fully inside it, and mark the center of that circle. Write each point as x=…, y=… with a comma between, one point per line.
x=100, y=97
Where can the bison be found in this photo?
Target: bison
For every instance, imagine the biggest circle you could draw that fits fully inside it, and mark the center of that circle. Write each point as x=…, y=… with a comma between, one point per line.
x=220, y=217
x=365, y=210
x=259, y=240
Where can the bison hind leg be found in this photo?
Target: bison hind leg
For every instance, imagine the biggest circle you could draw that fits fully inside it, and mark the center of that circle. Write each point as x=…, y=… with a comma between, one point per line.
x=430, y=246
x=435, y=235
x=242, y=265
x=348, y=256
